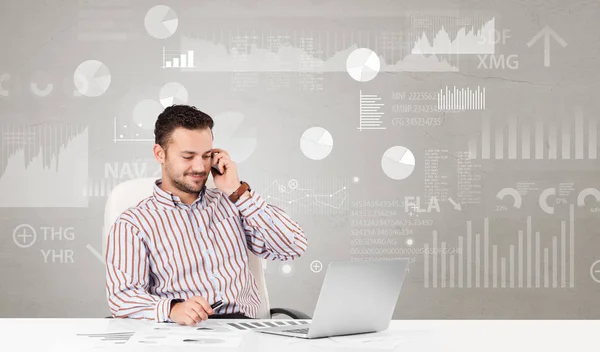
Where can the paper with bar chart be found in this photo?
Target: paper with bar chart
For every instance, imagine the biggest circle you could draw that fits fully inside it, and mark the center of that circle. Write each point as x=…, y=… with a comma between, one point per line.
x=545, y=136
x=480, y=265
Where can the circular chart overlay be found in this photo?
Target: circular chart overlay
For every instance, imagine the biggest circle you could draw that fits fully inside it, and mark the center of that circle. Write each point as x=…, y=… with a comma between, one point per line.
x=173, y=93
x=235, y=133
x=161, y=22
x=363, y=64
x=398, y=162
x=316, y=143
x=92, y=78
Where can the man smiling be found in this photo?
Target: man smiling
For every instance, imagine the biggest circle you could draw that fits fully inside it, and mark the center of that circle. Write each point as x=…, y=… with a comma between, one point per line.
x=176, y=252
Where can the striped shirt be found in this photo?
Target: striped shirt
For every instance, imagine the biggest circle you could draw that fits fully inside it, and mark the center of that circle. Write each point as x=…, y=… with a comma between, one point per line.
x=164, y=249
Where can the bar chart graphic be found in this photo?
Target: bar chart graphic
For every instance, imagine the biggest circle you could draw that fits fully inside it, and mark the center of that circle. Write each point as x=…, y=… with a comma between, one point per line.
x=178, y=58
x=370, y=114
x=461, y=99
x=551, y=140
x=527, y=265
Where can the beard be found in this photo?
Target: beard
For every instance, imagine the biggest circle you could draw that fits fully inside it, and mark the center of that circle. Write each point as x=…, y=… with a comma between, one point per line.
x=181, y=183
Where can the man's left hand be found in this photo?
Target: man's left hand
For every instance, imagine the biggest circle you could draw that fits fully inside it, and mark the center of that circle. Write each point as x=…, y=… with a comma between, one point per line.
x=229, y=181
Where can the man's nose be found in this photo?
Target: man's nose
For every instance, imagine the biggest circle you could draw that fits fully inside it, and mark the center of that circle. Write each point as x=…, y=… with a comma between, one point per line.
x=198, y=165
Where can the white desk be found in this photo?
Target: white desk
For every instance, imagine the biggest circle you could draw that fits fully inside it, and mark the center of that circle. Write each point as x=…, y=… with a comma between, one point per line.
x=402, y=335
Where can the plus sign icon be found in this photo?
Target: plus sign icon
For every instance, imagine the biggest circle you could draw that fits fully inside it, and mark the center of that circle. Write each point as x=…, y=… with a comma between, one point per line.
x=595, y=271
x=316, y=266
x=24, y=235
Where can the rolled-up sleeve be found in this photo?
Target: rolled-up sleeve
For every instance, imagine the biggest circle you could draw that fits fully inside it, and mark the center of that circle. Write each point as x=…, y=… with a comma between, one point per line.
x=270, y=232
x=127, y=276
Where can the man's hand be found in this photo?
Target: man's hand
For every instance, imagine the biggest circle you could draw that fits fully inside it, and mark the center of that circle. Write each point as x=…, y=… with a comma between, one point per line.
x=229, y=181
x=191, y=312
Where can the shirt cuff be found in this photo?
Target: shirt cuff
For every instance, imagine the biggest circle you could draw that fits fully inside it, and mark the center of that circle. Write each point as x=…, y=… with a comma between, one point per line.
x=250, y=205
x=163, y=309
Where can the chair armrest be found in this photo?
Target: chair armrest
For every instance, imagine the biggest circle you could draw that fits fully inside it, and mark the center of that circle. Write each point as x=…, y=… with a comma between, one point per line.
x=292, y=313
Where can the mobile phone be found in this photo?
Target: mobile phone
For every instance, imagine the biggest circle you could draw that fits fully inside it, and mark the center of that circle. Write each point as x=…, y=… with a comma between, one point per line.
x=216, y=166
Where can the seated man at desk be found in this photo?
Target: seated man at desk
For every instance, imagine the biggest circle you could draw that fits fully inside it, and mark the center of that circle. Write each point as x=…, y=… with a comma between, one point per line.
x=183, y=248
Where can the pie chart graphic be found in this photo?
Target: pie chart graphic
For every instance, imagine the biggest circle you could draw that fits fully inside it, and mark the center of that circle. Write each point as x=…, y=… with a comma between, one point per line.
x=398, y=162
x=91, y=78
x=316, y=143
x=173, y=93
x=161, y=22
x=232, y=134
x=363, y=64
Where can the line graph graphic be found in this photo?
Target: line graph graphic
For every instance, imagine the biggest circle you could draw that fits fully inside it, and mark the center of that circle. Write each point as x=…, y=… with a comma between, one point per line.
x=325, y=197
x=434, y=35
x=133, y=132
x=288, y=45
x=139, y=127
x=43, y=166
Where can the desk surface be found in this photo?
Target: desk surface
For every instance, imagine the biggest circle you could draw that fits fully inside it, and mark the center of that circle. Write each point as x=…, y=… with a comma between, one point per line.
x=220, y=335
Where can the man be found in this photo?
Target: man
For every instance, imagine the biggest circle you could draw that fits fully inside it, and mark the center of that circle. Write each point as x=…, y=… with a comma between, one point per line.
x=182, y=249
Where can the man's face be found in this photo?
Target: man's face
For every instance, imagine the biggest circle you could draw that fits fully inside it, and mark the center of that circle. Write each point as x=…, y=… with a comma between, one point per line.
x=188, y=159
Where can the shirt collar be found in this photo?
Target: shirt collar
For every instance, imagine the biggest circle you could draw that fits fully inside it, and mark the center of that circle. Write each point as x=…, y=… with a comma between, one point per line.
x=168, y=199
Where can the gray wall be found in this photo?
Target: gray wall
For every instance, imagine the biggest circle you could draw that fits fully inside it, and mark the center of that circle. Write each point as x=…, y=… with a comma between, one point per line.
x=62, y=149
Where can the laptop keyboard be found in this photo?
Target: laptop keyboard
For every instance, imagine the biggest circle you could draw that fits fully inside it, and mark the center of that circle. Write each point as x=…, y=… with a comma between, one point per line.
x=250, y=325
x=299, y=331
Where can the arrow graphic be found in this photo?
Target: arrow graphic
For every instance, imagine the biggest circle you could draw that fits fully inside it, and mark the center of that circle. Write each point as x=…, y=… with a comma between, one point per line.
x=456, y=205
x=547, y=32
x=95, y=253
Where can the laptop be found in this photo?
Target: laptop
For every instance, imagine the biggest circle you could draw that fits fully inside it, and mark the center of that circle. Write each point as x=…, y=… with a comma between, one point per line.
x=356, y=297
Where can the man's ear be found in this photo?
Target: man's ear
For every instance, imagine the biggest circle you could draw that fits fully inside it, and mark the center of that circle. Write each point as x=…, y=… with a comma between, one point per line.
x=159, y=153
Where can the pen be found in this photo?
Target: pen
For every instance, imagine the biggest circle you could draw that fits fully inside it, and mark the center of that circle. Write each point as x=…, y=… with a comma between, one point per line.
x=217, y=304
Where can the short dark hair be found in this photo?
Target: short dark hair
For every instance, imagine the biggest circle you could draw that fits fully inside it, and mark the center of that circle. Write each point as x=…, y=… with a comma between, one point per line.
x=175, y=116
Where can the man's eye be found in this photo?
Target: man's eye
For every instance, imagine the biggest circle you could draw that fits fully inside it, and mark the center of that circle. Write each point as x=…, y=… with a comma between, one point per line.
x=206, y=157
x=188, y=157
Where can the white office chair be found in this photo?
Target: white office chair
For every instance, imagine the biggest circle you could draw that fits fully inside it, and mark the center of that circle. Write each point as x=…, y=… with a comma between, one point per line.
x=131, y=192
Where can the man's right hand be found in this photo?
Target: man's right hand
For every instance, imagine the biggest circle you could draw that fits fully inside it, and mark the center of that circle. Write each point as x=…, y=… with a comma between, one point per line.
x=191, y=312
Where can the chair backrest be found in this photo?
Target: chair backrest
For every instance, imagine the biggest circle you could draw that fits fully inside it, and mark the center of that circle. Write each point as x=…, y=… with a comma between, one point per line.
x=131, y=192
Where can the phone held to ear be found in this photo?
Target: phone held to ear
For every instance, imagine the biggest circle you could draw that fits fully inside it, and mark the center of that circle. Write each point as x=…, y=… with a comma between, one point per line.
x=216, y=166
